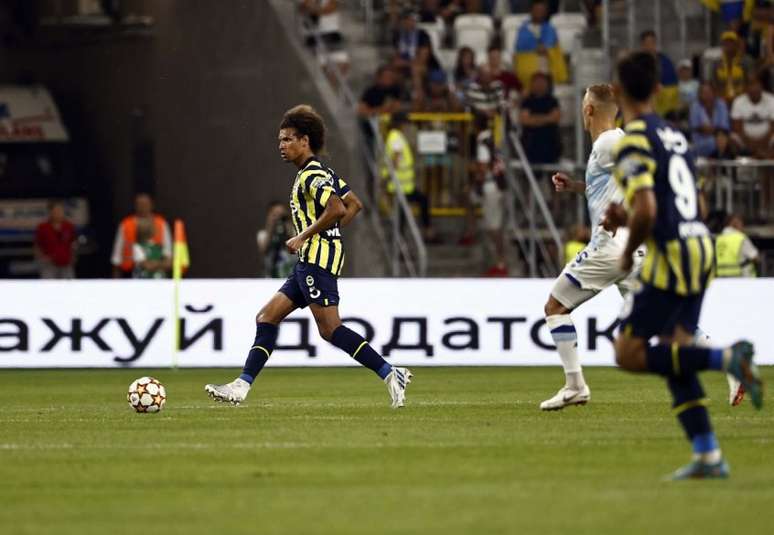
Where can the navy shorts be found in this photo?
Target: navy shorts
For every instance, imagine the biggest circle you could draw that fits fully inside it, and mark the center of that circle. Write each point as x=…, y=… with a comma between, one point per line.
x=309, y=284
x=651, y=312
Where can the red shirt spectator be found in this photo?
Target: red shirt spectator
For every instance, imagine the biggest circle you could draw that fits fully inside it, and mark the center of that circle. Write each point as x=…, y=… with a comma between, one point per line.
x=54, y=241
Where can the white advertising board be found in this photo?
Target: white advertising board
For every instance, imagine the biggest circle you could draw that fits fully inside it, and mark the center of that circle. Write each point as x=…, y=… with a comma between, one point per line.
x=419, y=322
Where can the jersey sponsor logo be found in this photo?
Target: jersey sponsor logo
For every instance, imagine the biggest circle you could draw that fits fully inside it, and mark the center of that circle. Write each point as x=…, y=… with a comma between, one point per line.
x=321, y=181
x=673, y=140
x=333, y=232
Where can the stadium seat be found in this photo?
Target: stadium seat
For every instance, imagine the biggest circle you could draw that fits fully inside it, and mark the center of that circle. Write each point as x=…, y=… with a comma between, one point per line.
x=510, y=27
x=447, y=58
x=568, y=26
x=590, y=66
x=474, y=31
x=434, y=31
x=565, y=94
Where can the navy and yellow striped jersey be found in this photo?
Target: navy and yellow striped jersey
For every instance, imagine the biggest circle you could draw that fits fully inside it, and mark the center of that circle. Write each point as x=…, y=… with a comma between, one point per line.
x=653, y=155
x=312, y=189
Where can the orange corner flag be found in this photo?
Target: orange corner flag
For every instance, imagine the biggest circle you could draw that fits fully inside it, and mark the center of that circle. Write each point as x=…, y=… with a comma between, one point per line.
x=181, y=260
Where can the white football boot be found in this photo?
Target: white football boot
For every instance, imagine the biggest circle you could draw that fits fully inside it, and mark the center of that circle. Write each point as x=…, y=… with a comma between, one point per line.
x=566, y=397
x=234, y=392
x=397, y=381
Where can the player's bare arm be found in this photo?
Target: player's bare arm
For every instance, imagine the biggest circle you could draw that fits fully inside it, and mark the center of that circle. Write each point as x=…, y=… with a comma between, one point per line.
x=641, y=220
x=353, y=204
x=615, y=217
x=334, y=211
x=563, y=183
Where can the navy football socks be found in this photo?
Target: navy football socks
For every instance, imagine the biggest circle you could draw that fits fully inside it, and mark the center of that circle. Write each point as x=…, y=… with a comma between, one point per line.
x=356, y=346
x=676, y=361
x=265, y=338
x=690, y=408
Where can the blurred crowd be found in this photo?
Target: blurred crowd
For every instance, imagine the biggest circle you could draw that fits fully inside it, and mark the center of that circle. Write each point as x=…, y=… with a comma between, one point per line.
x=516, y=67
x=725, y=93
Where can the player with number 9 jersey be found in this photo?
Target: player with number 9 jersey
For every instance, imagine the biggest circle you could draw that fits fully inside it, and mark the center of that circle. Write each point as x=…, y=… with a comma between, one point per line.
x=655, y=170
x=653, y=155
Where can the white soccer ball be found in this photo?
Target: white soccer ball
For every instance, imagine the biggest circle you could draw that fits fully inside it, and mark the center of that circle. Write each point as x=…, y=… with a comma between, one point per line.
x=147, y=394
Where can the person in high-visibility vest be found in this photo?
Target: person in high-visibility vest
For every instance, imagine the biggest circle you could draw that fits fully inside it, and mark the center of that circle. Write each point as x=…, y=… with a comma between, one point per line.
x=125, y=254
x=735, y=254
x=398, y=149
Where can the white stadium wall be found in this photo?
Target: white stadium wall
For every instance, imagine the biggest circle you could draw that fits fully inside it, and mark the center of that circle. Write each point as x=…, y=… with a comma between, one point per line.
x=418, y=322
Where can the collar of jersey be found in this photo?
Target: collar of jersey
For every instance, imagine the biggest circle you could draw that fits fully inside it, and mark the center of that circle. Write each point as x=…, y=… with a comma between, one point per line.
x=310, y=160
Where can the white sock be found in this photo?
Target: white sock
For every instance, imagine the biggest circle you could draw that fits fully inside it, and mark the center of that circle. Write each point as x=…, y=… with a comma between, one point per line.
x=566, y=339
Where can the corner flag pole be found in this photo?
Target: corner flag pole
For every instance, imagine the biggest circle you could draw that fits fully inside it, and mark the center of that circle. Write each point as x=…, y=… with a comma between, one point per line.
x=180, y=262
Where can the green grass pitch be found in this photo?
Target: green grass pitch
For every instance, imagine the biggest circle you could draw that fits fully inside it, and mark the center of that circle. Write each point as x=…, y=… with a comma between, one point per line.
x=319, y=451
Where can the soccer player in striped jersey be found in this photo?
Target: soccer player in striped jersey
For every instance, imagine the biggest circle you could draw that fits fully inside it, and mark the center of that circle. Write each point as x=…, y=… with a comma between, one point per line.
x=320, y=204
x=596, y=267
x=655, y=170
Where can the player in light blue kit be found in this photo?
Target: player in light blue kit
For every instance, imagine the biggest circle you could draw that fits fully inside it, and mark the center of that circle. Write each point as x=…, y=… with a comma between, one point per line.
x=597, y=266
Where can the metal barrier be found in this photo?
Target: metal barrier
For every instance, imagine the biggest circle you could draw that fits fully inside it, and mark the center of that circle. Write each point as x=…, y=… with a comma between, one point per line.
x=734, y=185
x=416, y=263
x=532, y=246
x=445, y=189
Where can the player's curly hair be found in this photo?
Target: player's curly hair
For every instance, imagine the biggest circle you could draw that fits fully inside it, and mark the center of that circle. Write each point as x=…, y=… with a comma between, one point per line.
x=306, y=122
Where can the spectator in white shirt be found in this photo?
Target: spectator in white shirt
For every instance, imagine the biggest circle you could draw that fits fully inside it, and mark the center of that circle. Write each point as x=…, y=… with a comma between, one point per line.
x=752, y=114
x=753, y=124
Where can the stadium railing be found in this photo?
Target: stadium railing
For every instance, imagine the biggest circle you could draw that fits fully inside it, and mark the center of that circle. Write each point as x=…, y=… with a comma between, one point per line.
x=531, y=204
x=734, y=185
x=443, y=163
x=414, y=255
x=414, y=259
x=529, y=220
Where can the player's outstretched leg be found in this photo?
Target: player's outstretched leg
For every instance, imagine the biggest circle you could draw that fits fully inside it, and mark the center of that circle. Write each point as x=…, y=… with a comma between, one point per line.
x=331, y=329
x=737, y=360
x=735, y=388
x=266, y=331
x=575, y=390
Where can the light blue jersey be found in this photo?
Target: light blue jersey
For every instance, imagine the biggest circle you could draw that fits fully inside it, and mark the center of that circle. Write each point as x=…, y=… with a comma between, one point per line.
x=601, y=189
